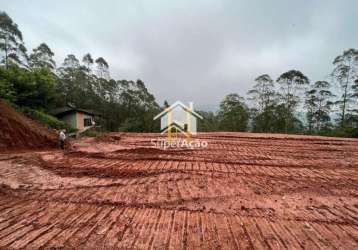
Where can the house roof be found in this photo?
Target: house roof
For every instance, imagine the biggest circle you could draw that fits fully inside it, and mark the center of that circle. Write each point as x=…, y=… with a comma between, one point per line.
x=174, y=105
x=69, y=108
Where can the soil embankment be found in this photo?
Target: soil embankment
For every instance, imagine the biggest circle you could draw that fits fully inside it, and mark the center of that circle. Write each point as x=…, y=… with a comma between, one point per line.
x=18, y=132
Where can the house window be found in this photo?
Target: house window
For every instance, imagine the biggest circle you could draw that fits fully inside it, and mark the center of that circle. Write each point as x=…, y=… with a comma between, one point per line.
x=87, y=122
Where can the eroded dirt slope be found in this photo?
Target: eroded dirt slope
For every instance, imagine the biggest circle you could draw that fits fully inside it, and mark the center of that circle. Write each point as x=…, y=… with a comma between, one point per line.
x=18, y=132
x=245, y=191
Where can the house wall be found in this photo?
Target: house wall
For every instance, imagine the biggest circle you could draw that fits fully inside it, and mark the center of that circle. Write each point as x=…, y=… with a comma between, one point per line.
x=79, y=118
x=76, y=120
x=70, y=119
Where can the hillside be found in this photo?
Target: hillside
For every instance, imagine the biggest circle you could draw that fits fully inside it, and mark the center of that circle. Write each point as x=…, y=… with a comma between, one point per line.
x=18, y=132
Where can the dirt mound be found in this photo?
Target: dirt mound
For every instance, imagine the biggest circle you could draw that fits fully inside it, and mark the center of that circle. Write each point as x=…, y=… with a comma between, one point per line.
x=18, y=132
x=109, y=137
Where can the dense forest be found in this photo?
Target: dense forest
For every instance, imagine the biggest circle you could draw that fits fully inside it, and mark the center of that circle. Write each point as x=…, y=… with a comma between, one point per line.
x=33, y=82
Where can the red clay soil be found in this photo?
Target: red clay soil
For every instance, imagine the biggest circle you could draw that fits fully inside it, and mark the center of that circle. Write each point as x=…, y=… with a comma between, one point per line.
x=245, y=191
x=18, y=132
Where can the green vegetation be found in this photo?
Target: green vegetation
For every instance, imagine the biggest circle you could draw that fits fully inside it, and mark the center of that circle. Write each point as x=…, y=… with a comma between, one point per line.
x=46, y=119
x=34, y=81
x=90, y=133
x=36, y=84
x=275, y=106
x=233, y=114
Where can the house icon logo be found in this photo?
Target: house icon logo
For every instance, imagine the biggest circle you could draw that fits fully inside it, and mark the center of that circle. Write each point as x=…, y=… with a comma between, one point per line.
x=178, y=118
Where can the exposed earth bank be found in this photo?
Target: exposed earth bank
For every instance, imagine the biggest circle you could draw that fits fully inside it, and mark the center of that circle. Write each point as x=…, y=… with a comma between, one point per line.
x=18, y=132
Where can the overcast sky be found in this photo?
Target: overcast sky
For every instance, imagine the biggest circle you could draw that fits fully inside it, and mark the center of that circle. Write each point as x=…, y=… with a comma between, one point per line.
x=193, y=50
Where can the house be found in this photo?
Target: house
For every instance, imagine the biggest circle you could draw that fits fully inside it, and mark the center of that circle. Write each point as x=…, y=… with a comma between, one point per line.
x=77, y=118
x=180, y=117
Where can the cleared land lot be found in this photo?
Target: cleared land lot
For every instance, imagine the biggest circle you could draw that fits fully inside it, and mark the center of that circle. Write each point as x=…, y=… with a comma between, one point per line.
x=244, y=191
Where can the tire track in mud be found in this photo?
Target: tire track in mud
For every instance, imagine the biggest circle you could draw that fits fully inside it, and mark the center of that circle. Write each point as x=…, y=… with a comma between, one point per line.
x=242, y=192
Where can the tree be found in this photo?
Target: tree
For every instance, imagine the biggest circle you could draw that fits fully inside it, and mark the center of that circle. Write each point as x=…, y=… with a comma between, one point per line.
x=355, y=96
x=11, y=43
x=208, y=123
x=233, y=113
x=355, y=89
x=72, y=80
x=71, y=62
x=69, y=67
x=88, y=61
x=279, y=117
x=352, y=117
x=318, y=103
x=138, y=106
x=345, y=72
x=42, y=57
x=264, y=97
x=7, y=90
x=263, y=92
x=102, y=68
x=311, y=105
x=291, y=84
x=35, y=89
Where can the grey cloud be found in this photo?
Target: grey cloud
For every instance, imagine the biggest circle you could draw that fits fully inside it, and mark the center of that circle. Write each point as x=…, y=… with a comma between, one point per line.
x=194, y=50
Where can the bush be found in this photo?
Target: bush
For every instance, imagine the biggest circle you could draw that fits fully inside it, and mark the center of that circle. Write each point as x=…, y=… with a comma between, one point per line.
x=90, y=133
x=47, y=120
x=350, y=132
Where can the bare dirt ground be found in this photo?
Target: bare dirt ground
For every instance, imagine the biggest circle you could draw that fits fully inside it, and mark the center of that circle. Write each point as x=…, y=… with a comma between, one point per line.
x=245, y=191
x=18, y=132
